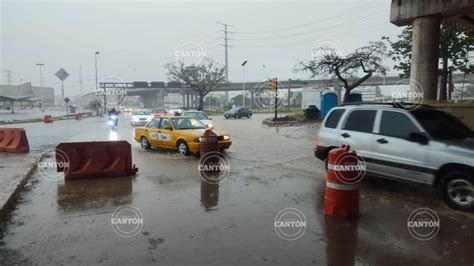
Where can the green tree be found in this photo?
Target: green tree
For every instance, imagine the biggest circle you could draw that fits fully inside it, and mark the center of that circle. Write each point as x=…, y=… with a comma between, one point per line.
x=454, y=48
x=237, y=100
x=367, y=59
x=465, y=92
x=202, y=78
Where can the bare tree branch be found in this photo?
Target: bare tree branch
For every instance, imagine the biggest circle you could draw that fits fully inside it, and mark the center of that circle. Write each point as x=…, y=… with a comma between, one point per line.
x=201, y=78
x=367, y=59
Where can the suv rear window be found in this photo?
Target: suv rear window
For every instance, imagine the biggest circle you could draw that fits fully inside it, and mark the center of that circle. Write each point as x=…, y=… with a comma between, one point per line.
x=361, y=121
x=334, y=118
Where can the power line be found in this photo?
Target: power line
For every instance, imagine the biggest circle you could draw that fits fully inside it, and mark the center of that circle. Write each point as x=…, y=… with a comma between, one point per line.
x=344, y=34
x=307, y=24
x=304, y=33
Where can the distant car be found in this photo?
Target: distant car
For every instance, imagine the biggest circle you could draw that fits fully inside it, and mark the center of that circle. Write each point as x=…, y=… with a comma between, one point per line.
x=157, y=112
x=125, y=109
x=175, y=110
x=200, y=116
x=177, y=133
x=140, y=118
x=238, y=112
x=312, y=112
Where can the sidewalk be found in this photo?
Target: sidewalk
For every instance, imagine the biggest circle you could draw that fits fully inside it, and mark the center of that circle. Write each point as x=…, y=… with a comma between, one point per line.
x=16, y=167
x=36, y=115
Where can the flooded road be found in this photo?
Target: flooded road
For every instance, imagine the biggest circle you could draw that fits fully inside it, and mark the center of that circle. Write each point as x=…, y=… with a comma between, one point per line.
x=187, y=221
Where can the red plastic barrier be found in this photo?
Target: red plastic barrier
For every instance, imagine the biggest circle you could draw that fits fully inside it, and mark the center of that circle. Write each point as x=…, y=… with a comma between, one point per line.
x=13, y=140
x=78, y=116
x=48, y=119
x=95, y=159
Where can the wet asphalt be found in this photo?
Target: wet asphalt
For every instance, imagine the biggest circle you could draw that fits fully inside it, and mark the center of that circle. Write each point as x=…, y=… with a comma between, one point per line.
x=190, y=222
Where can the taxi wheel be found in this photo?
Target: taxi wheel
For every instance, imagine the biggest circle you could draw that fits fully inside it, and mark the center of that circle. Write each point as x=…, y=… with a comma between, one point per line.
x=183, y=147
x=145, y=144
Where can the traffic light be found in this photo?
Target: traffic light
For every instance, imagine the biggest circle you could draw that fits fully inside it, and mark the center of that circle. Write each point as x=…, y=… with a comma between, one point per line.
x=273, y=84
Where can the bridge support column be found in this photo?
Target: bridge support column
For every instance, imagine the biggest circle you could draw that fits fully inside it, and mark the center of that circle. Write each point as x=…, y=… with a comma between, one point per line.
x=425, y=55
x=151, y=100
x=183, y=93
x=252, y=97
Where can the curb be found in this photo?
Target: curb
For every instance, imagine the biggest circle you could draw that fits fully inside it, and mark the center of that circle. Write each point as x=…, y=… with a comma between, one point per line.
x=36, y=120
x=25, y=176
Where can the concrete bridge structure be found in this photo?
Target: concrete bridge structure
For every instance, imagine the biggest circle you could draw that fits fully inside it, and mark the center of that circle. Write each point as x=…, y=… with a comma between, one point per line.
x=153, y=93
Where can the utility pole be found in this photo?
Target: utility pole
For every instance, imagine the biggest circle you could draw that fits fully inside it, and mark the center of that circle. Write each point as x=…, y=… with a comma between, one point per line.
x=95, y=94
x=226, y=49
x=276, y=100
x=41, y=84
x=243, y=83
x=289, y=94
x=8, y=76
x=80, y=82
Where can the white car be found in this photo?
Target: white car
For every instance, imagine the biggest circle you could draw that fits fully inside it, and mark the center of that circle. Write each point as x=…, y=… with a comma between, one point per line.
x=140, y=118
x=174, y=110
x=201, y=117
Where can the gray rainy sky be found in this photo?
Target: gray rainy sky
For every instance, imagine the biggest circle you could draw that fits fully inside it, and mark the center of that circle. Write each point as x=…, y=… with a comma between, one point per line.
x=136, y=39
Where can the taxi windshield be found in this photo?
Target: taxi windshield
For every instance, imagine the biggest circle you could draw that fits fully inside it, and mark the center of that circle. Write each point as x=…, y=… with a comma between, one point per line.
x=187, y=123
x=197, y=115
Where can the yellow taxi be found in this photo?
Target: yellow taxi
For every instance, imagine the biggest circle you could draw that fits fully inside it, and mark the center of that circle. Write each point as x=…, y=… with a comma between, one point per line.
x=177, y=133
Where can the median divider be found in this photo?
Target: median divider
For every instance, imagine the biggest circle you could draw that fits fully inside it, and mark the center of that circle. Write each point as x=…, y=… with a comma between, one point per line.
x=95, y=159
x=13, y=140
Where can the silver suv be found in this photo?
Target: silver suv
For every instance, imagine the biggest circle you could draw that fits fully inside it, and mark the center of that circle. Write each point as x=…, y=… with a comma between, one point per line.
x=421, y=145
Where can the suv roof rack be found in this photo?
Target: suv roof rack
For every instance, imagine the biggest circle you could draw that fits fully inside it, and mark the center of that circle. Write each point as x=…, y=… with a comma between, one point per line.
x=401, y=105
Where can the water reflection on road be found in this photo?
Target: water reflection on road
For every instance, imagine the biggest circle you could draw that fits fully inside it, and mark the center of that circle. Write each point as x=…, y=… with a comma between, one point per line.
x=189, y=221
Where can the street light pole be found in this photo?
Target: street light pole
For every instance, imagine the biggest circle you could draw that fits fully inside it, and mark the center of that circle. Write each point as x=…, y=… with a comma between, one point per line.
x=95, y=94
x=41, y=84
x=243, y=83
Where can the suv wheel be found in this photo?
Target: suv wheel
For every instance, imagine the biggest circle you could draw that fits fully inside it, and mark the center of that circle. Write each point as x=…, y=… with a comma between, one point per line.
x=458, y=190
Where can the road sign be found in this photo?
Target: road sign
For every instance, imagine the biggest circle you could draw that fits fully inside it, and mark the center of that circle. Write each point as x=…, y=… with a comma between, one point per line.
x=25, y=89
x=62, y=74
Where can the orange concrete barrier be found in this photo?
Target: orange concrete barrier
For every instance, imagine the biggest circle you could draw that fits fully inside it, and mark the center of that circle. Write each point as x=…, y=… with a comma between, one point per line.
x=48, y=119
x=13, y=140
x=342, y=192
x=78, y=116
x=95, y=159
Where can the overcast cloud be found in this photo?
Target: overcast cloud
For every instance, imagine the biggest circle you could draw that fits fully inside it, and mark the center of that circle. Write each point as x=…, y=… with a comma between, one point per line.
x=135, y=40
